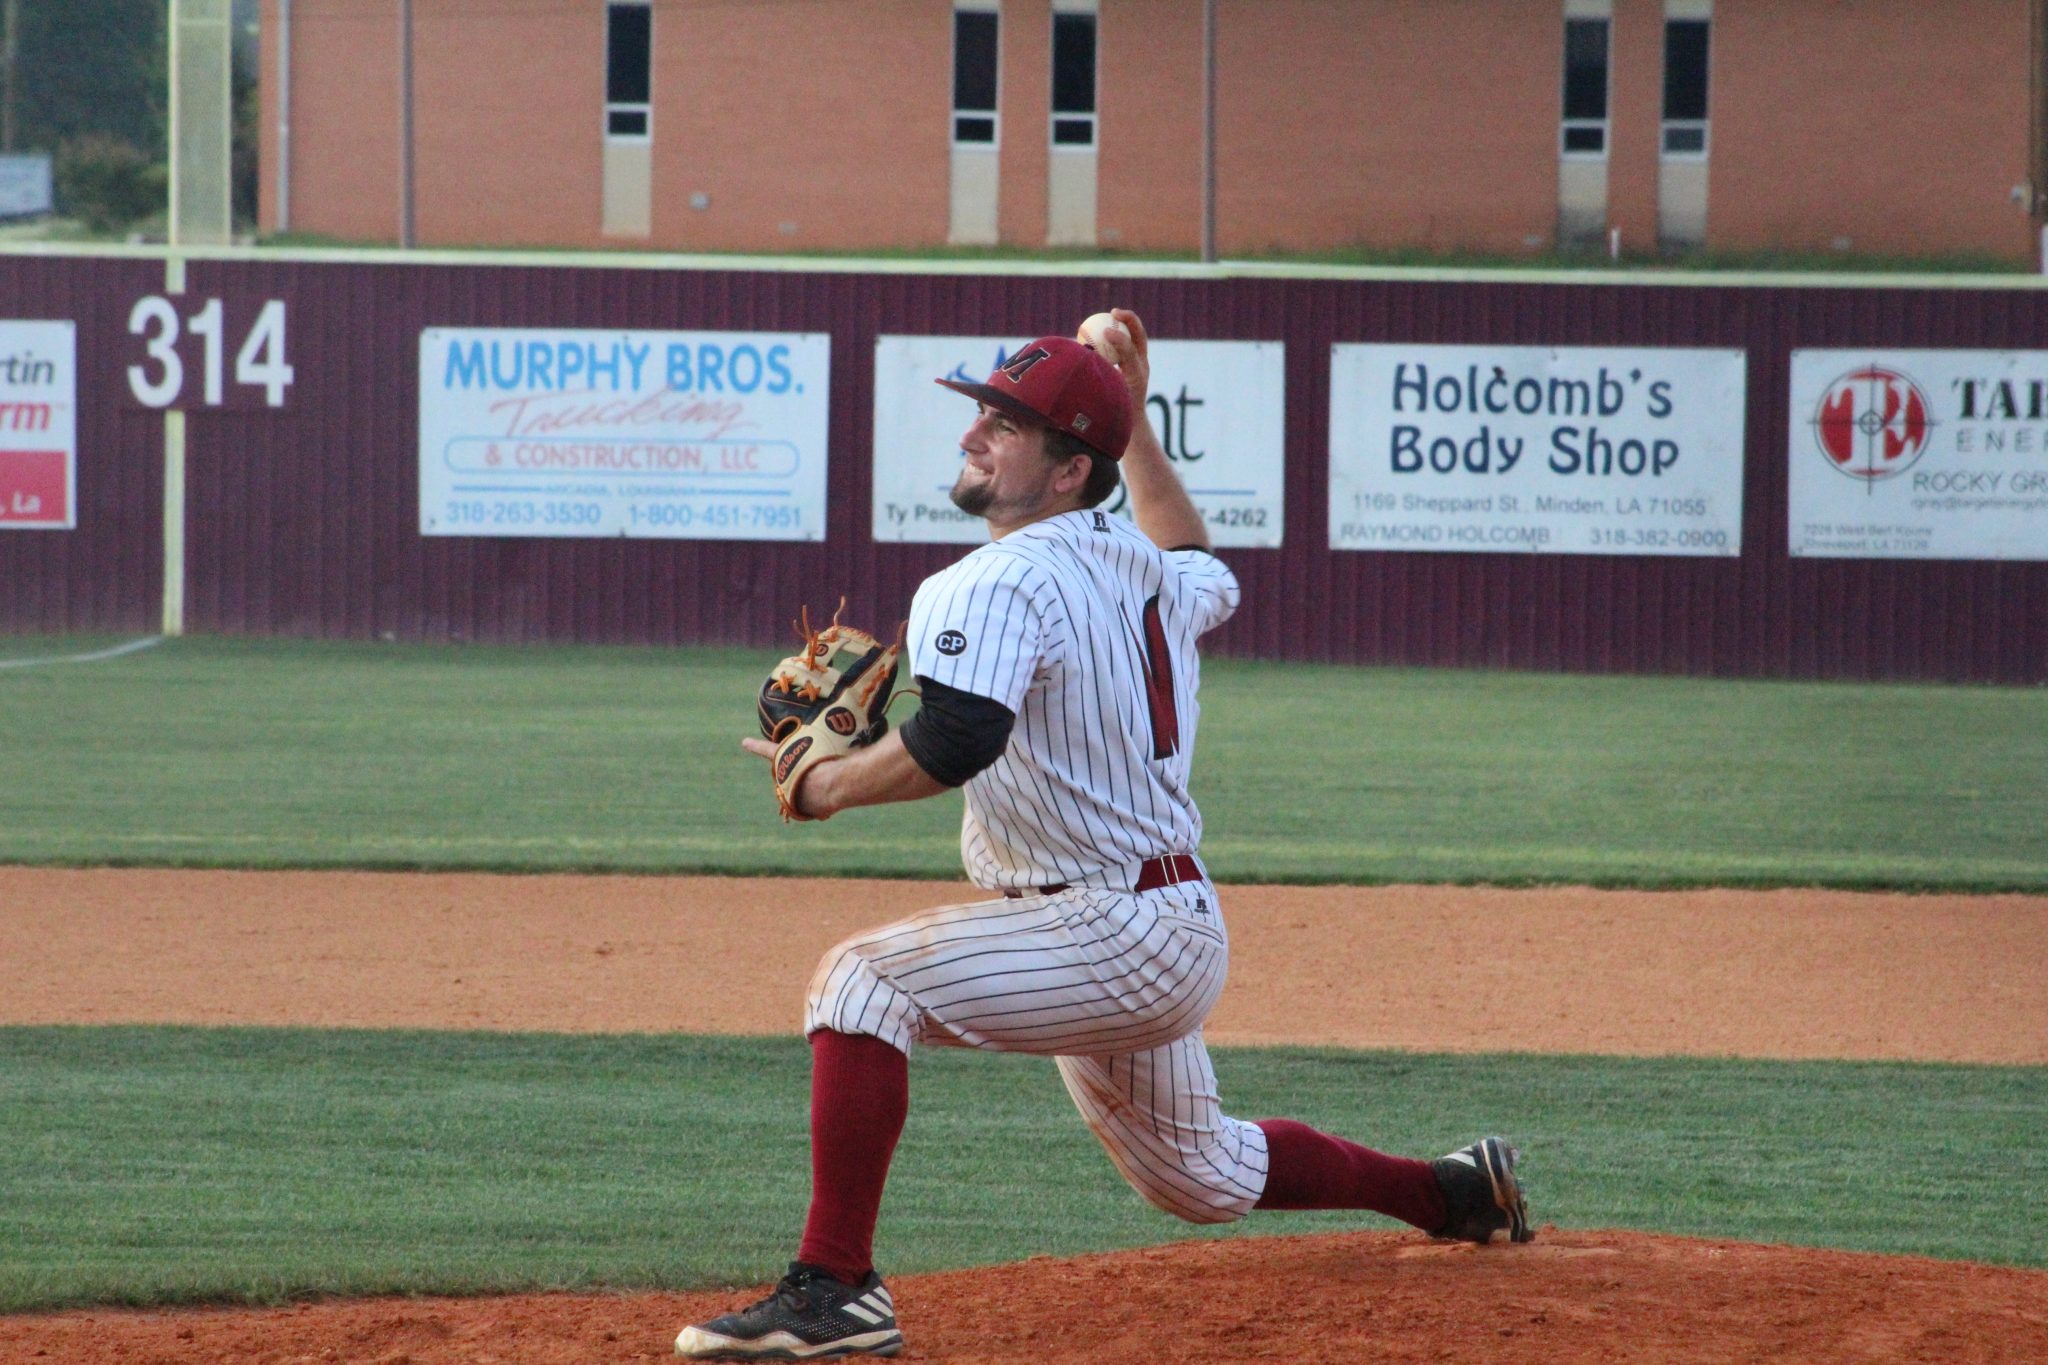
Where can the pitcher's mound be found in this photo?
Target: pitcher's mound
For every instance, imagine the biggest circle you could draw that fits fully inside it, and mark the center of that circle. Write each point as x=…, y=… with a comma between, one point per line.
x=1569, y=1296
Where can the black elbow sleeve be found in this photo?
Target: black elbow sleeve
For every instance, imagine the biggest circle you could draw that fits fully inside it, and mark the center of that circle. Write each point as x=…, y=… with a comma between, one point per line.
x=956, y=734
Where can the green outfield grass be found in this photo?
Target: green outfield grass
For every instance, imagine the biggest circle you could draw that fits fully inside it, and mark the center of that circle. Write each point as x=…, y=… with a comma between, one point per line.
x=181, y=1165
x=268, y=753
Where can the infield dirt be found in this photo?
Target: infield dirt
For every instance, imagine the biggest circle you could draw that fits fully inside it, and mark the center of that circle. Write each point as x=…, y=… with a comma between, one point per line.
x=1780, y=974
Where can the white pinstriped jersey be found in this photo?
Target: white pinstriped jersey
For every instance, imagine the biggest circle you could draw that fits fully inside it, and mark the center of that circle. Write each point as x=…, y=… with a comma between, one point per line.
x=1086, y=630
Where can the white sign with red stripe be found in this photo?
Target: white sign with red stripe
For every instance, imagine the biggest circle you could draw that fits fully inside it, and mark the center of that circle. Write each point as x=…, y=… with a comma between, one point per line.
x=38, y=426
x=1918, y=455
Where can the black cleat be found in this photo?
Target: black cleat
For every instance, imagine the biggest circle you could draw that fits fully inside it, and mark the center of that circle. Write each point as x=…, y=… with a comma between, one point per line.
x=810, y=1316
x=1481, y=1194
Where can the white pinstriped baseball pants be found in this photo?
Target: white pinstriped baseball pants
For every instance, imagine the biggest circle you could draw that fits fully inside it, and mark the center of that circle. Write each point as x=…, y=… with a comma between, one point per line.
x=1112, y=984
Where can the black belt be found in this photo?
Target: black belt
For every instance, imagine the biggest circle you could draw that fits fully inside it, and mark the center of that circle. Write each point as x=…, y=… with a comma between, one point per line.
x=1169, y=869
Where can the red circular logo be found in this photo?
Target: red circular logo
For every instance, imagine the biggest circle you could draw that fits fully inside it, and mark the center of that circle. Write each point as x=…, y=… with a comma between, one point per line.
x=1872, y=423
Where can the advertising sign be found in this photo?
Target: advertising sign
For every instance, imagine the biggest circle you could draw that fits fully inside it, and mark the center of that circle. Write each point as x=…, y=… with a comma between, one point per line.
x=38, y=426
x=26, y=184
x=668, y=435
x=1218, y=408
x=1919, y=454
x=1539, y=450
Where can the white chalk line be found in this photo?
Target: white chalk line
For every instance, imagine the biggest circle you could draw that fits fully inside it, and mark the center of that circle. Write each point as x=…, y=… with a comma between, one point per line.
x=96, y=656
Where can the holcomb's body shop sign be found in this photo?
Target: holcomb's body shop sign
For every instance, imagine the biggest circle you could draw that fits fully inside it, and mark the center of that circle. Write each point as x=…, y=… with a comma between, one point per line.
x=38, y=426
x=1218, y=408
x=1919, y=454
x=672, y=435
x=1567, y=450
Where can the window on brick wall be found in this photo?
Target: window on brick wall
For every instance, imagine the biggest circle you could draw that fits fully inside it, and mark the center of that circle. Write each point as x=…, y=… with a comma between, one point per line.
x=1073, y=80
x=1685, y=88
x=628, y=72
x=1584, y=129
x=974, y=76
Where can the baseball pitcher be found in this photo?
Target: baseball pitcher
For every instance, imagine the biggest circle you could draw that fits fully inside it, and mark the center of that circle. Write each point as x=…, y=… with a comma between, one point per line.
x=1059, y=672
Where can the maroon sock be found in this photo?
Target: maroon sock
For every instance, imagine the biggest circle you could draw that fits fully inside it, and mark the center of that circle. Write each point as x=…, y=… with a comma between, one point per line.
x=860, y=1093
x=1307, y=1169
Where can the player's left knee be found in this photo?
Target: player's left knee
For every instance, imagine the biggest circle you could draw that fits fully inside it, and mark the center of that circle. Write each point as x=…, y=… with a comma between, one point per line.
x=841, y=965
x=847, y=995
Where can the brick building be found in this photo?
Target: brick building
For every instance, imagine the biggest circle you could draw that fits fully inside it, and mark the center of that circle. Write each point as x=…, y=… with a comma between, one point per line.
x=1881, y=126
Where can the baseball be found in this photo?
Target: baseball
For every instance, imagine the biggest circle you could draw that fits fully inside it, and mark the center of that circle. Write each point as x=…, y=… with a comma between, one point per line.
x=1101, y=331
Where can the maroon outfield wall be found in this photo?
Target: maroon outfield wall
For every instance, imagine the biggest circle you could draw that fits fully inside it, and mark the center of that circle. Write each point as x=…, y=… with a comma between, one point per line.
x=106, y=575
x=303, y=521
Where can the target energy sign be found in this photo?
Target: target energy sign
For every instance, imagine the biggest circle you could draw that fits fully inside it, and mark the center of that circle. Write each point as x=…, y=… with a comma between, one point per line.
x=1919, y=454
x=38, y=426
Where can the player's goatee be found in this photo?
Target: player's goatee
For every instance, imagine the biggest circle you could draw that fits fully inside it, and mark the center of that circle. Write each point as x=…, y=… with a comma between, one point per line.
x=975, y=499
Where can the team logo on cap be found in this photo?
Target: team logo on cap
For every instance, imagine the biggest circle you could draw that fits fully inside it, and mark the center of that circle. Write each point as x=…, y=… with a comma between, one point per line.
x=1017, y=366
x=950, y=642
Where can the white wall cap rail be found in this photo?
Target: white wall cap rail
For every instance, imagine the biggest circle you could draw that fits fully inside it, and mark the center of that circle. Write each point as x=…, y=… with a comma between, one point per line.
x=1096, y=268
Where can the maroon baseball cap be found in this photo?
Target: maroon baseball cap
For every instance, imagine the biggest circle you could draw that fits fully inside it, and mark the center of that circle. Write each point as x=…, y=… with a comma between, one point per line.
x=1060, y=383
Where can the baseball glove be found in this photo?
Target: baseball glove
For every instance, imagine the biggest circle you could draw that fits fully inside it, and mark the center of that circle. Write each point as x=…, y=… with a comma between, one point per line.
x=825, y=701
